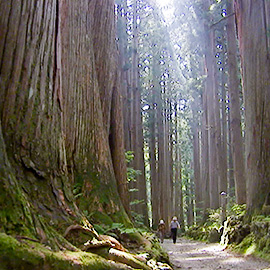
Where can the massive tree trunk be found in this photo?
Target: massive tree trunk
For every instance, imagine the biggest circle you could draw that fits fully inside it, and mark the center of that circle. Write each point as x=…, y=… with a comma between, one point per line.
x=56, y=110
x=235, y=117
x=252, y=25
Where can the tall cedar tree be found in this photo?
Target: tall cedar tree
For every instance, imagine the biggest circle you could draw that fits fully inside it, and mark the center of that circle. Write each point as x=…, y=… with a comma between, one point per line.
x=58, y=113
x=252, y=26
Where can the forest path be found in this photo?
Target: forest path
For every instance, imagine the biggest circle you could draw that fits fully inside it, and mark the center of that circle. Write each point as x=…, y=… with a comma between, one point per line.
x=189, y=254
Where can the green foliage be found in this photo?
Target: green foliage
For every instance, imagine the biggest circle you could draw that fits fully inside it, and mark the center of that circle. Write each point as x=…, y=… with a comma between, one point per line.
x=197, y=233
x=113, y=229
x=136, y=202
x=247, y=246
x=131, y=172
x=156, y=250
x=261, y=218
x=237, y=210
x=213, y=220
x=138, y=219
x=77, y=190
x=129, y=156
x=99, y=217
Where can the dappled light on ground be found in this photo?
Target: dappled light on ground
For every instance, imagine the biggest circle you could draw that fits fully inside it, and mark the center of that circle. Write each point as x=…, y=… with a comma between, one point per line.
x=188, y=254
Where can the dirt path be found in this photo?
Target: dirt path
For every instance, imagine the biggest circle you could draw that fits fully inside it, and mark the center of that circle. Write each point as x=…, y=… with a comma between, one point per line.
x=187, y=254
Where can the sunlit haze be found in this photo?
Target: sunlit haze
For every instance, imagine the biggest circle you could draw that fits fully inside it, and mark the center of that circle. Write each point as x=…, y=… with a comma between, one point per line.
x=167, y=9
x=163, y=2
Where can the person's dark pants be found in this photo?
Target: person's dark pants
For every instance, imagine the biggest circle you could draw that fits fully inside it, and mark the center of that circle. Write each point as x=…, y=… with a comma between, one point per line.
x=174, y=234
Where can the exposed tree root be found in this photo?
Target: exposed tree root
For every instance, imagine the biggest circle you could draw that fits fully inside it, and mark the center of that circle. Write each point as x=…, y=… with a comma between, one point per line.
x=127, y=258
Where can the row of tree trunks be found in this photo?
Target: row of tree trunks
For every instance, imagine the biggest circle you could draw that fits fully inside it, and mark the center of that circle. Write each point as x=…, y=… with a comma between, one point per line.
x=127, y=18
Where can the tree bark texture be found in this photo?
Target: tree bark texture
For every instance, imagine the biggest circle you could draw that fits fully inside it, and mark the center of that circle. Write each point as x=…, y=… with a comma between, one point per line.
x=136, y=129
x=205, y=154
x=212, y=129
x=153, y=160
x=235, y=117
x=253, y=33
x=56, y=107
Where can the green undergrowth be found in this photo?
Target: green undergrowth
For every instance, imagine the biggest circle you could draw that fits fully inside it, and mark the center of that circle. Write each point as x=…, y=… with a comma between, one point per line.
x=25, y=255
x=135, y=239
x=204, y=232
x=250, y=247
x=257, y=243
x=247, y=238
x=155, y=250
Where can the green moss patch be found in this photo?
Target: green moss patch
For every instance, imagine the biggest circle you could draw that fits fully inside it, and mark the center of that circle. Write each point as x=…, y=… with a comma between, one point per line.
x=27, y=255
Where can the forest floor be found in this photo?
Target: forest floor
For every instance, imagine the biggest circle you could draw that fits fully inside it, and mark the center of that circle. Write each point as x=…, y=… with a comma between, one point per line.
x=189, y=254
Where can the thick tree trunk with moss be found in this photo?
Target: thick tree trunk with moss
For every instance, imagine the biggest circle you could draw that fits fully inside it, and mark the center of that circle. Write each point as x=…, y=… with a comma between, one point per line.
x=57, y=115
x=252, y=25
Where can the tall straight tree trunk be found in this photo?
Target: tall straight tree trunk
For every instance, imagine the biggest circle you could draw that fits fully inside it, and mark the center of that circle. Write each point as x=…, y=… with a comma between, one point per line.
x=122, y=24
x=235, y=117
x=161, y=148
x=178, y=193
x=171, y=164
x=168, y=174
x=153, y=160
x=205, y=154
x=190, y=202
x=231, y=167
x=221, y=130
x=212, y=137
x=137, y=143
x=224, y=133
x=252, y=25
x=197, y=171
x=116, y=140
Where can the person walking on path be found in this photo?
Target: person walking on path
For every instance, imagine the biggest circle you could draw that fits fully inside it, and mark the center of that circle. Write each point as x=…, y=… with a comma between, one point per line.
x=174, y=226
x=161, y=230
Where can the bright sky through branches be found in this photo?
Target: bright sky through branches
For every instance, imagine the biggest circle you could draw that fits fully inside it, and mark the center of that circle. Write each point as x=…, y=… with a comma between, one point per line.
x=167, y=9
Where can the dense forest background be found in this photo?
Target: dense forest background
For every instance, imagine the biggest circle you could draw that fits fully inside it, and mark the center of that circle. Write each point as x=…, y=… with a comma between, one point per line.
x=126, y=112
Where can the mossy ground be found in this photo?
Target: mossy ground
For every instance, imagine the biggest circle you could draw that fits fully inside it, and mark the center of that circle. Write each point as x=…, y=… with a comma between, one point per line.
x=27, y=255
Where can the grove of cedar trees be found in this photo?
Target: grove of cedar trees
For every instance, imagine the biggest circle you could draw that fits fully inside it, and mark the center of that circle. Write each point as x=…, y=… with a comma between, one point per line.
x=83, y=82
x=205, y=131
